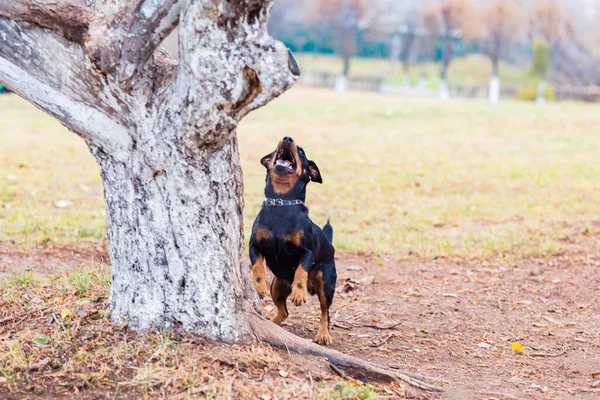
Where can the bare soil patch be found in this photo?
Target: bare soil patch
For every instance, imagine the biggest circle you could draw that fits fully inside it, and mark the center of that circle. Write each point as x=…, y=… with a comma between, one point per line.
x=50, y=259
x=456, y=321
x=453, y=321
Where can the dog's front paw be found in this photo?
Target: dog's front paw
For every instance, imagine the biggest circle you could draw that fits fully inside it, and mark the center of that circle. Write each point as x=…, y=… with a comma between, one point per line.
x=323, y=338
x=299, y=294
x=261, y=287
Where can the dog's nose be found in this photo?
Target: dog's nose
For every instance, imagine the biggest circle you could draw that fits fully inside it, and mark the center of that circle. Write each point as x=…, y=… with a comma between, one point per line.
x=288, y=139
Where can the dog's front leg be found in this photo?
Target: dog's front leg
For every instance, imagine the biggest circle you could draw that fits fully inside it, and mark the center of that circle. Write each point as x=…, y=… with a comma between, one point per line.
x=299, y=291
x=258, y=271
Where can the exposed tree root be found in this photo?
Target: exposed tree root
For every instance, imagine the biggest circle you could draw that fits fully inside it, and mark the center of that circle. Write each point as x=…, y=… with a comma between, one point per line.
x=276, y=336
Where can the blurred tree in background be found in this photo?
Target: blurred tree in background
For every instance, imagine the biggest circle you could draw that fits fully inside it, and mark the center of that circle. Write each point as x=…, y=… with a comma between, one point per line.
x=436, y=31
x=499, y=26
x=448, y=19
x=570, y=57
x=347, y=19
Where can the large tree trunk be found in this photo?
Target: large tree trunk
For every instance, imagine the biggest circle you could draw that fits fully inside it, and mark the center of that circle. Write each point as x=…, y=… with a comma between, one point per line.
x=176, y=241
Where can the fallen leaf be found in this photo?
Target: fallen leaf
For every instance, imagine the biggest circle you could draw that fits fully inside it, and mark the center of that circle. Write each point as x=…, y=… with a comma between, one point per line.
x=4, y=334
x=542, y=389
x=39, y=365
x=355, y=268
x=348, y=287
x=81, y=311
x=43, y=340
x=596, y=375
x=39, y=390
x=367, y=280
x=351, y=284
x=65, y=313
x=518, y=347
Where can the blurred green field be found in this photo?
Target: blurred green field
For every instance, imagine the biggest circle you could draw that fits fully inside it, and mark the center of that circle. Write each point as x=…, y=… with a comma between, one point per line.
x=472, y=70
x=402, y=176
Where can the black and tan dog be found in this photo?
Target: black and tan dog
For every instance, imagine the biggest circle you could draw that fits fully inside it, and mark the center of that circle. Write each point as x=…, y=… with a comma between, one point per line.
x=298, y=252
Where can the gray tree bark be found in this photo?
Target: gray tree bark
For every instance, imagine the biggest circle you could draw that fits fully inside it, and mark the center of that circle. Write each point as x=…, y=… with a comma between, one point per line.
x=164, y=134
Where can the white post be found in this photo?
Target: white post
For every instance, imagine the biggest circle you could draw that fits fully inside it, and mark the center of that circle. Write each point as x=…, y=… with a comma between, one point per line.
x=422, y=85
x=341, y=83
x=494, y=94
x=444, y=92
x=541, y=93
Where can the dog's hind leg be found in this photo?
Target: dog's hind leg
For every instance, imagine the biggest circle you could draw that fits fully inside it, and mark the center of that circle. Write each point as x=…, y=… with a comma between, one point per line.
x=324, y=285
x=280, y=290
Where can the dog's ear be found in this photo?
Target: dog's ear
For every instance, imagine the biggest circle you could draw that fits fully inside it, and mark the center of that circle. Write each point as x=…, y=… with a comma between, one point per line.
x=313, y=171
x=266, y=160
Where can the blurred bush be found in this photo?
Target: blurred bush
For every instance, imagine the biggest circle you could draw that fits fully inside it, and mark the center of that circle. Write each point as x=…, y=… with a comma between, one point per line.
x=529, y=92
x=537, y=73
x=541, y=59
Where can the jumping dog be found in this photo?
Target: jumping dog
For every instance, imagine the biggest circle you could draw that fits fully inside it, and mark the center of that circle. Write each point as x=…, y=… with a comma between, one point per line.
x=299, y=253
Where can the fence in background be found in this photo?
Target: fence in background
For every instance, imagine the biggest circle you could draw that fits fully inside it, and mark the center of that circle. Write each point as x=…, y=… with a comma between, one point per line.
x=376, y=84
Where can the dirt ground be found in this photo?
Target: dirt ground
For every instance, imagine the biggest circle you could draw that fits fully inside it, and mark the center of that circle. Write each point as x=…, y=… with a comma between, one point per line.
x=453, y=321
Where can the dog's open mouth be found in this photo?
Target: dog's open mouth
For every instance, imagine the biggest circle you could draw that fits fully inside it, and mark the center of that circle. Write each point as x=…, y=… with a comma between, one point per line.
x=285, y=163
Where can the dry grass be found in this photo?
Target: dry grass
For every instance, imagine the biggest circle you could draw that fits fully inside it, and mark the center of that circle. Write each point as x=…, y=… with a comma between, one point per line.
x=402, y=176
x=416, y=176
x=55, y=340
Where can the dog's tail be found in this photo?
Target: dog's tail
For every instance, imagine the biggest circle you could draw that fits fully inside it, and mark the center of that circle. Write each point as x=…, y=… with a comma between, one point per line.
x=328, y=231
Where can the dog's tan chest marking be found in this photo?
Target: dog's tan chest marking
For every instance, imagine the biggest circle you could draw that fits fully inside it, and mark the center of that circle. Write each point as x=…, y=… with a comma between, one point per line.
x=263, y=234
x=294, y=238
